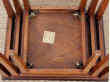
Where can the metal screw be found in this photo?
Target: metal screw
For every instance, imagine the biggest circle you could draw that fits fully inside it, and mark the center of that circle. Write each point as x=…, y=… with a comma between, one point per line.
x=24, y=55
x=82, y=20
x=39, y=70
x=100, y=27
x=75, y=15
x=91, y=24
x=18, y=25
x=27, y=20
x=31, y=65
x=69, y=70
x=78, y=65
x=11, y=54
x=97, y=54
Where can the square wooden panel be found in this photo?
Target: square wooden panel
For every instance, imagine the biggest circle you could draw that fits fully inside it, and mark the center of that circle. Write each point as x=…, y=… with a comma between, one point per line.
x=65, y=51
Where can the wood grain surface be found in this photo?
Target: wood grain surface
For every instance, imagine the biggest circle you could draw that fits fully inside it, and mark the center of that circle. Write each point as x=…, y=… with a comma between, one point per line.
x=66, y=50
x=3, y=32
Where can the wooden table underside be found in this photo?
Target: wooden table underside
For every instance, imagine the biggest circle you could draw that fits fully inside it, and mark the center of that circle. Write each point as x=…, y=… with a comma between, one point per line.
x=75, y=40
x=60, y=57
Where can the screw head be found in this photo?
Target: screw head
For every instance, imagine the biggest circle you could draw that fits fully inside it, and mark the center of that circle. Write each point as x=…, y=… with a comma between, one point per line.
x=84, y=55
x=100, y=27
x=39, y=70
x=69, y=70
x=24, y=55
x=91, y=24
x=27, y=20
x=18, y=25
x=82, y=20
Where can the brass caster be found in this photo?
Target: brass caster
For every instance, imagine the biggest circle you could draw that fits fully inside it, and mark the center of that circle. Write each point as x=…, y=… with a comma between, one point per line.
x=30, y=65
x=78, y=66
x=75, y=15
x=33, y=14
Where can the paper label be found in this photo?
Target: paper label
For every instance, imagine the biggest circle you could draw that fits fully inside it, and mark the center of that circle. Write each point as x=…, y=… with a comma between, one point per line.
x=48, y=37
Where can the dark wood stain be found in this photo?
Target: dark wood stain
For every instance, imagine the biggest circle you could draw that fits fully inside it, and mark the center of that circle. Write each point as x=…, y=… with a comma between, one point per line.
x=67, y=47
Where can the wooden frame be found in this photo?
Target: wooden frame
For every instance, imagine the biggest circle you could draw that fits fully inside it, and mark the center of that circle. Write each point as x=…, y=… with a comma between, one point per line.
x=51, y=71
x=4, y=72
x=100, y=66
x=105, y=73
x=24, y=36
x=16, y=33
x=17, y=25
x=101, y=9
x=17, y=60
x=26, y=6
x=99, y=15
x=101, y=38
x=92, y=7
x=53, y=8
x=91, y=61
x=55, y=78
x=8, y=8
x=88, y=63
x=54, y=71
x=18, y=7
x=83, y=32
x=91, y=11
x=8, y=65
x=82, y=5
x=92, y=27
x=8, y=37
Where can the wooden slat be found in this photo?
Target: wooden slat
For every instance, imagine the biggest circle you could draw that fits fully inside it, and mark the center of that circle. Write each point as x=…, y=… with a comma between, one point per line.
x=53, y=8
x=92, y=28
x=101, y=9
x=16, y=33
x=91, y=61
x=8, y=65
x=82, y=5
x=105, y=73
x=53, y=71
x=100, y=66
x=18, y=7
x=83, y=33
x=92, y=6
x=8, y=37
x=23, y=68
x=4, y=72
x=57, y=78
x=26, y=5
x=8, y=8
x=24, y=36
x=101, y=38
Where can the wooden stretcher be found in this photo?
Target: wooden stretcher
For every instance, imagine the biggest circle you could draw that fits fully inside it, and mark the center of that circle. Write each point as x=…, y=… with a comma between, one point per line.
x=77, y=52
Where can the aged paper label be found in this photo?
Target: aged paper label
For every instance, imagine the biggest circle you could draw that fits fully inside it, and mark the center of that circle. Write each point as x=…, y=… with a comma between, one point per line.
x=48, y=37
